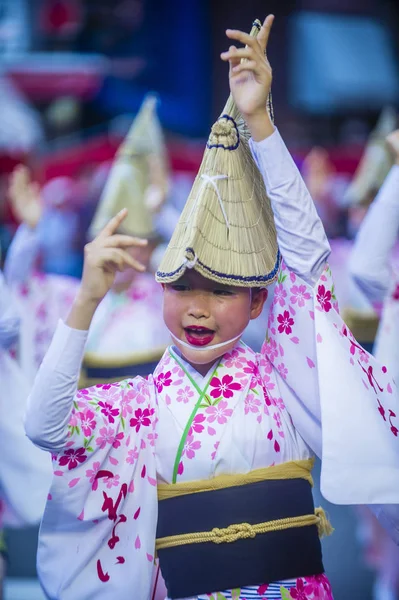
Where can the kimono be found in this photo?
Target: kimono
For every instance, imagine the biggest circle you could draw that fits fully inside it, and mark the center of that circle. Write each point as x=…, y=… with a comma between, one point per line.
x=41, y=299
x=311, y=390
x=25, y=471
x=374, y=266
x=129, y=322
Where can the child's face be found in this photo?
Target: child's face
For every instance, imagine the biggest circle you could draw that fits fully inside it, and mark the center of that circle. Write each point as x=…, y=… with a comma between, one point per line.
x=203, y=313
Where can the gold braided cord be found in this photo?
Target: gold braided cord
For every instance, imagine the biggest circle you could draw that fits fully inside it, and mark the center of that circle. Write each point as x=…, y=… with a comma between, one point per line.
x=241, y=531
x=295, y=469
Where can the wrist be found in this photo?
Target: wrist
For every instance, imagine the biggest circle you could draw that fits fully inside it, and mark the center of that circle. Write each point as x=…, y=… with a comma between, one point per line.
x=259, y=124
x=83, y=299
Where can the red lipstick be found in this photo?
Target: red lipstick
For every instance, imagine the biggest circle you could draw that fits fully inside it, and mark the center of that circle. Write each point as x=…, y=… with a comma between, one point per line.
x=199, y=336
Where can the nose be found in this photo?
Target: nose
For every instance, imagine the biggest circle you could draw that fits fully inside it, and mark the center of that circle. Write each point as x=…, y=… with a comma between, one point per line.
x=199, y=307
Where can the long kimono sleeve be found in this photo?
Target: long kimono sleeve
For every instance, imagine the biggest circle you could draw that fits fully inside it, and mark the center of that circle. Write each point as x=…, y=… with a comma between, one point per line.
x=369, y=264
x=22, y=255
x=97, y=538
x=9, y=318
x=342, y=401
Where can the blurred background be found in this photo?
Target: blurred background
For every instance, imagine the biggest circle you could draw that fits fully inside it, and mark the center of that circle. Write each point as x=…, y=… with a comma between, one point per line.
x=73, y=73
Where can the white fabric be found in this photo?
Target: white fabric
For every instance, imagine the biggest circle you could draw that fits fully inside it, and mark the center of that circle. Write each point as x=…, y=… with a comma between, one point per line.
x=129, y=322
x=25, y=471
x=370, y=261
x=300, y=234
x=373, y=269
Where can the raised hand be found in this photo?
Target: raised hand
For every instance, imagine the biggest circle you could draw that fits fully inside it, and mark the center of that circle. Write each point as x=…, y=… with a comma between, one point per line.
x=250, y=73
x=25, y=197
x=392, y=141
x=106, y=255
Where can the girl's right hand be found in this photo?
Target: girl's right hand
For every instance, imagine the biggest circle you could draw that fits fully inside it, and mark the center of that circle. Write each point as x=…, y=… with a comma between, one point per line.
x=106, y=255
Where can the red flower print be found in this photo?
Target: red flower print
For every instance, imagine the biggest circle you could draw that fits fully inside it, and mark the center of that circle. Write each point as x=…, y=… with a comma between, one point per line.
x=163, y=380
x=324, y=298
x=141, y=418
x=72, y=458
x=108, y=411
x=299, y=592
x=87, y=422
x=225, y=387
x=286, y=322
x=395, y=295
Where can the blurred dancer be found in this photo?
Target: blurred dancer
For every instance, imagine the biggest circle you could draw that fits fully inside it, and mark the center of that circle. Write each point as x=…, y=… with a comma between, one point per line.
x=42, y=298
x=128, y=321
x=25, y=471
x=377, y=275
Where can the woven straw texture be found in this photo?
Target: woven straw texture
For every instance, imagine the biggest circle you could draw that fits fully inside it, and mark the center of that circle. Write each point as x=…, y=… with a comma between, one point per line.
x=226, y=231
x=140, y=155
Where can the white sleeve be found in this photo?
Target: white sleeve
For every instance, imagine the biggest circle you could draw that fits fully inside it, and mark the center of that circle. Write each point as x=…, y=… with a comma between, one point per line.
x=388, y=516
x=369, y=264
x=9, y=318
x=300, y=233
x=51, y=399
x=21, y=255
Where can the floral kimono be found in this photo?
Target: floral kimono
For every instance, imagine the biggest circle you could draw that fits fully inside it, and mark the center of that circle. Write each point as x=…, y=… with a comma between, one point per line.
x=25, y=471
x=311, y=389
x=375, y=268
x=41, y=298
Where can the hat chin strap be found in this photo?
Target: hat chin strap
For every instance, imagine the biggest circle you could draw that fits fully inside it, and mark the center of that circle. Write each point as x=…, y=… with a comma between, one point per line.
x=205, y=348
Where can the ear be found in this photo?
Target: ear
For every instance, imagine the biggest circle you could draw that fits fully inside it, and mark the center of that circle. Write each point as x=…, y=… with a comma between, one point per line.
x=258, y=299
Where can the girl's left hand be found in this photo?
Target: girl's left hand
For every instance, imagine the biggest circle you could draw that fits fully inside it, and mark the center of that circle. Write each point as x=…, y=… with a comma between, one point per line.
x=251, y=78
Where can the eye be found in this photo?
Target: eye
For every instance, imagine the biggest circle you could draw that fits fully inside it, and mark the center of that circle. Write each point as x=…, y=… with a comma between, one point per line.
x=221, y=292
x=179, y=287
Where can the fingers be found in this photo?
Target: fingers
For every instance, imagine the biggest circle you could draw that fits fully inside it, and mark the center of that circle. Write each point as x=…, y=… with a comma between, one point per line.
x=236, y=54
x=123, y=241
x=260, y=41
x=250, y=66
x=116, y=257
x=113, y=224
x=241, y=36
x=264, y=33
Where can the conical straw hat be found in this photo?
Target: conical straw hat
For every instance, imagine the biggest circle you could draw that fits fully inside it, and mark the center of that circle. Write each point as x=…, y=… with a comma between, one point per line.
x=226, y=231
x=131, y=175
x=375, y=163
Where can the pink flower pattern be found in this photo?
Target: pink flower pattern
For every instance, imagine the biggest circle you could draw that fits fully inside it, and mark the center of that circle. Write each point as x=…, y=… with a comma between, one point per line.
x=87, y=421
x=225, y=387
x=219, y=413
x=285, y=322
x=324, y=298
x=299, y=295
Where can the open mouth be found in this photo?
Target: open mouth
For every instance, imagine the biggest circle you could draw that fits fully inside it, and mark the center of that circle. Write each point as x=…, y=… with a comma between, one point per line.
x=199, y=336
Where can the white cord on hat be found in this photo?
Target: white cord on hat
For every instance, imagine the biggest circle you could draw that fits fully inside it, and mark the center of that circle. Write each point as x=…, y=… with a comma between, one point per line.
x=211, y=179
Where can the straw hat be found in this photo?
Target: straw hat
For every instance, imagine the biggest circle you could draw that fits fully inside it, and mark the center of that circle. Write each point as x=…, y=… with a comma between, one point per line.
x=375, y=163
x=139, y=172
x=226, y=231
